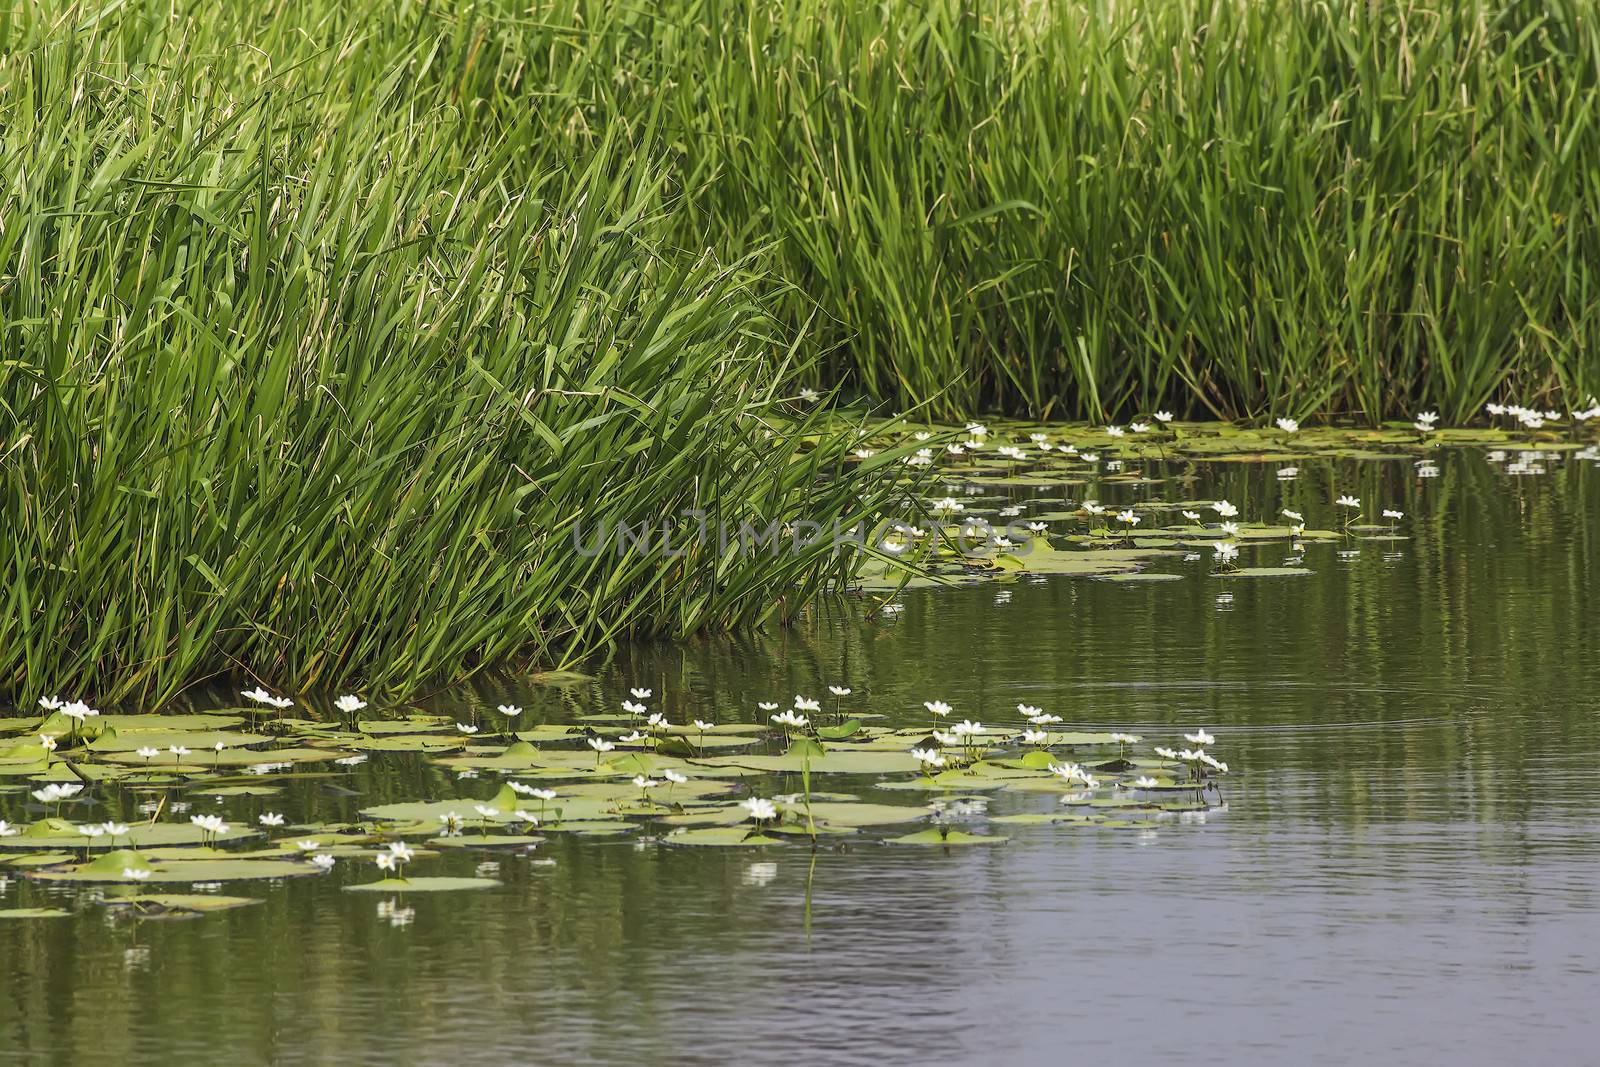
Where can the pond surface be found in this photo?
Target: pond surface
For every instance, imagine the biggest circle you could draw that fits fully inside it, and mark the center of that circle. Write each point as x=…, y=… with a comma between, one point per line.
x=1407, y=866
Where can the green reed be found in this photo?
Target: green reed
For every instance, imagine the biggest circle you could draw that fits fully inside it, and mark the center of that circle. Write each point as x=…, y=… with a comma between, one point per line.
x=325, y=323
x=314, y=366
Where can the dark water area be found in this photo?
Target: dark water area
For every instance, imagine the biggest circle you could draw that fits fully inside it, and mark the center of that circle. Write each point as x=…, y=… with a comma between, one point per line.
x=1406, y=866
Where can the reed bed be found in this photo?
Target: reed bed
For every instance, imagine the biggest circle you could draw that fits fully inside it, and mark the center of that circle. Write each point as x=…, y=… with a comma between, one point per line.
x=326, y=323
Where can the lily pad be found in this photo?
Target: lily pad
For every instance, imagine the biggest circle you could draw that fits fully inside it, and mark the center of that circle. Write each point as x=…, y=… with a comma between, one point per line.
x=33, y=913
x=422, y=885
x=946, y=840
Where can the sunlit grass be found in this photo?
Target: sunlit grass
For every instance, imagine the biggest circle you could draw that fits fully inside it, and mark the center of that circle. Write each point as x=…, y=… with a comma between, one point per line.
x=323, y=325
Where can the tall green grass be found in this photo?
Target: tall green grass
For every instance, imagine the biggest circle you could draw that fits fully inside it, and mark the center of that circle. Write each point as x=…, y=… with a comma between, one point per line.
x=314, y=360
x=322, y=324
x=1226, y=207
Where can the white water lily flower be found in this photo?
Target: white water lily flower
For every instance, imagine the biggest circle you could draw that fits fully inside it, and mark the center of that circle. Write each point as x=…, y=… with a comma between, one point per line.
x=258, y=694
x=1288, y=425
x=55, y=791
x=135, y=874
x=967, y=728
x=1034, y=737
x=937, y=707
x=1230, y=528
x=1125, y=739
x=510, y=711
x=47, y=742
x=789, y=718
x=1211, y=761
x=657, y=719
x=864, y=453
x=600, y=744
x=307, y=845
x=1029, y=710
x=927, y=757
x=178, y=750
x=349, y=703
x=401, y=851
x=703, y=726
x=642, y=694
x=1190, y=755
x=1166, y=753
x=630, y=738
x=1347, y=501
x=1145, y=782
x=385, y=862
x=1391, y=514
x=1199, y=737
x=760, y=810
x=633, y=708
x=1139, y=427
x=806, y=704
x=1114, y=431
x=946, y=738
x=672, y=776
x=466, y=728
x=839, y=690
x=1128, y=517
x=644, y=783
x=323, y=862
x=51, y=703
x=1192, y=516
x=1225, y=550
x=270, y=818
x=1094, y=508
x=79, y=711
x=767, y=705
x=1162, y=416
x=486, y=811
x=1428, y=417
x=1225, y=509
x=1295, y=515
x=91, y=830
x=209, y=823
x=7, y=830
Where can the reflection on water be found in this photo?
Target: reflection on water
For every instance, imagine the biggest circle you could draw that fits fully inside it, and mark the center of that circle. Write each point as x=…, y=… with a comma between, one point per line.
x=1408, y=866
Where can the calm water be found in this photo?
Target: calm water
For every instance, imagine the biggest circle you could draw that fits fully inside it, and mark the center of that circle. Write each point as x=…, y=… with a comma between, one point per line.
x=1408, y=866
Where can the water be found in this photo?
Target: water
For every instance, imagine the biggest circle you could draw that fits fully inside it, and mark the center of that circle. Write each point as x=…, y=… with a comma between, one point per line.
x=1408, y=866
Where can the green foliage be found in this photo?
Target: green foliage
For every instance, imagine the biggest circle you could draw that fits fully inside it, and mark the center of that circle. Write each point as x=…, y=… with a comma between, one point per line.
x=324, y=327
x=324, y=338
x=1224, y=207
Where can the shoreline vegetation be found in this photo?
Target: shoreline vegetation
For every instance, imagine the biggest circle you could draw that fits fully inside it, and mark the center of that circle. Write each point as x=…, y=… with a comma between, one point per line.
x=324, y=324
